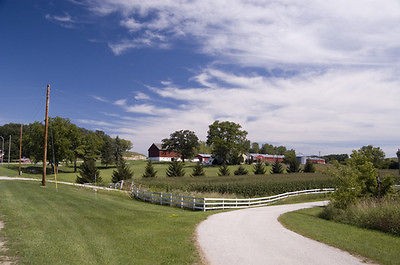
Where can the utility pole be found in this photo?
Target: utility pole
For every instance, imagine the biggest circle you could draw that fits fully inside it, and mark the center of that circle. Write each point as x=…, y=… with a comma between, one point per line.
x=46, y=129
x=398, y=158
x=9, y=148
x=20, y=151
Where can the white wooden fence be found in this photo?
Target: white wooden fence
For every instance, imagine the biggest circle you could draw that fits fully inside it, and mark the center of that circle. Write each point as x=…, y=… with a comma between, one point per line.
x=205, y=204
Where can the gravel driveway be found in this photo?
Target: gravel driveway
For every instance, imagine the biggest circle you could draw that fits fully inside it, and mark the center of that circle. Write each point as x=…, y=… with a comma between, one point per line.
x=254, y=236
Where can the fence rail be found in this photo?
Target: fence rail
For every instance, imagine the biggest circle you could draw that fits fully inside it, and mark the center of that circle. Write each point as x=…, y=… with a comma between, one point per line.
x=205, y=204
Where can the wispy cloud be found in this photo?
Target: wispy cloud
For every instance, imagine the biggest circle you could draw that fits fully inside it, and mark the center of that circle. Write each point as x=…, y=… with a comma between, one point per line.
x=101, y=99
x=141, y=96
x=62, y=20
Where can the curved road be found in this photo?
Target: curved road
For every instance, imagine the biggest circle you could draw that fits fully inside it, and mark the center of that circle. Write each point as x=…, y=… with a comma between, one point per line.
x=254, y=236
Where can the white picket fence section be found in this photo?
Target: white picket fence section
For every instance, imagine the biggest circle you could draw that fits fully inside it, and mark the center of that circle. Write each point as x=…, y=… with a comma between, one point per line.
x=205, y=204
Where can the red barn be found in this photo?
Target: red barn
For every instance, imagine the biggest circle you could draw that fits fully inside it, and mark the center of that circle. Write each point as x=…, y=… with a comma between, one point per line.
x=157, y=153
x=267, y=158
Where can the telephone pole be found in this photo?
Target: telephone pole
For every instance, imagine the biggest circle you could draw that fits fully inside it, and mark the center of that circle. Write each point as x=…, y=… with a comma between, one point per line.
x=20, y=151
x=46, y=129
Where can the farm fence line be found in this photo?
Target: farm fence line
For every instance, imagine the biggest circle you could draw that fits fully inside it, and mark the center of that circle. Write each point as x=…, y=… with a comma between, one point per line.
x=205, y=204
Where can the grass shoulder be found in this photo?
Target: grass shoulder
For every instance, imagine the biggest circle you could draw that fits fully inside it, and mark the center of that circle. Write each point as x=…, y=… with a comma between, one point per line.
x=79, y=226
x=373, y=245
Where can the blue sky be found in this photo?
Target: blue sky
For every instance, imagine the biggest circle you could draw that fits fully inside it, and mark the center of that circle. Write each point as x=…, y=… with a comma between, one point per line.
x=316, y=76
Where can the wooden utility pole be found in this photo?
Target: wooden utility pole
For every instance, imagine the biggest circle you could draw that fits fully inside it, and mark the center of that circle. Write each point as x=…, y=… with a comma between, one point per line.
x=20, y=151
x=46, y=129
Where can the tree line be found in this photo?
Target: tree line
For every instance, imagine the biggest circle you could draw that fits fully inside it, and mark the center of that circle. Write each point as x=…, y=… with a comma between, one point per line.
x=66, y=143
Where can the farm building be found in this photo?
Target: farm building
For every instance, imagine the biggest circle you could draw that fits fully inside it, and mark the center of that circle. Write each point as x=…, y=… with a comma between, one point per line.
x=313, y=159
x=266, y=158
x=157, y=153
x=204, y=158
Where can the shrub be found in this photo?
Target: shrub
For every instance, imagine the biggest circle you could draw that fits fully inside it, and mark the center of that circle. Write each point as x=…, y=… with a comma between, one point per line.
x=149, y=171
x=377, y=214
x=198, y=170
x=259, y=168
x=223, y=170
x=88, y=173
x=309, y=167
x=240, y=171
x=123, y=172
x=175, y=169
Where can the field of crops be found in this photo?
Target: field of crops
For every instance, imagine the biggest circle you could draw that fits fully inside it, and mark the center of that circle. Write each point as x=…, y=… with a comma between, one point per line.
x=240, y=186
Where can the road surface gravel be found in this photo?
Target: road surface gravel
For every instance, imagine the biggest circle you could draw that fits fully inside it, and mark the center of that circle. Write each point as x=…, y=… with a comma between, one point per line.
x=254, y=236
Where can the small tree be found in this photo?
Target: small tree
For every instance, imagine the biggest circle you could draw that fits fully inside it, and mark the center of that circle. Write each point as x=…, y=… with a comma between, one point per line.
x=223, y=170
x=277, y=168
x=88, y=173
x=123, y=172
x=149, y=171
x=175, y=169
x=309, y=167
x=240, y=171
x=198, y=170
x=259, y=168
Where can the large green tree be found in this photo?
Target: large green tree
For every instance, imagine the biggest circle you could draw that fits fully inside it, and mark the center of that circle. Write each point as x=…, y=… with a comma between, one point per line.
x=228, y=141
x=375, y=155
x=184, y=142
x=13, y=130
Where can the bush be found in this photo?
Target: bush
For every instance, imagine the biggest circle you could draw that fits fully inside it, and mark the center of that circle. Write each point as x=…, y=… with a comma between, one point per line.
x=377, y=214
x=240, y=171
x=198, y=170
x=175, y=169
x=149, y=171
x=309, y=167
x=223, y=170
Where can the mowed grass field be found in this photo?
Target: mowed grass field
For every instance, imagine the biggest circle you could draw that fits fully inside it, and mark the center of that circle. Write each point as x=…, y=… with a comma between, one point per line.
x=374, y=245
x=80, y=226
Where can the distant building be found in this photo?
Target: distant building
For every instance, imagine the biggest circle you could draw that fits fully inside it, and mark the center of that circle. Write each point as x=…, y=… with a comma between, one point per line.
x=312, y=159
x=204, y=158
x=266, y=158
x=157, y=153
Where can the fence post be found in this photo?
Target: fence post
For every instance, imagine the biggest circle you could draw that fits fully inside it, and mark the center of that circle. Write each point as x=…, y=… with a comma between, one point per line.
x=204, y=204
x=181, y=201
x=161, y=202
x=170, y=200
x=223, y=204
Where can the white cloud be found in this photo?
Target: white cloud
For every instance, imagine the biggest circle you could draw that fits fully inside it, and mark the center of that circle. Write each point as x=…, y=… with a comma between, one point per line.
x=311, y=113
x=120, y=102
x=268, y=32
x=141, y=96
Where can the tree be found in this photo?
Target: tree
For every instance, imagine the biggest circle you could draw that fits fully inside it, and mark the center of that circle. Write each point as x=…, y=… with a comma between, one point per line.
x=293, y=165
x=13, y=130
x=149, y=171
x=88, y=173
x=373, y=154
x=228, y=141
x=255, y=148
x=175, y=169
x=107, y=151
x=33, y=141
x=123, y=172
x=309, y=167
x=198, y=170
x=259, y=168
x=223, y=170
x=184, y=142
x=277, y=167
x=203, y=148
x=240, y=171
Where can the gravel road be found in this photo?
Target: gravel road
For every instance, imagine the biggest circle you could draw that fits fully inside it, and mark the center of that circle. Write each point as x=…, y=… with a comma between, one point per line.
x=254, y=236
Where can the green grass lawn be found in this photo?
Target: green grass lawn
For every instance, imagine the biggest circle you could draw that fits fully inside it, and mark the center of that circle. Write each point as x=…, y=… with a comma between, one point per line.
x=78, y=226
x=376, y=246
